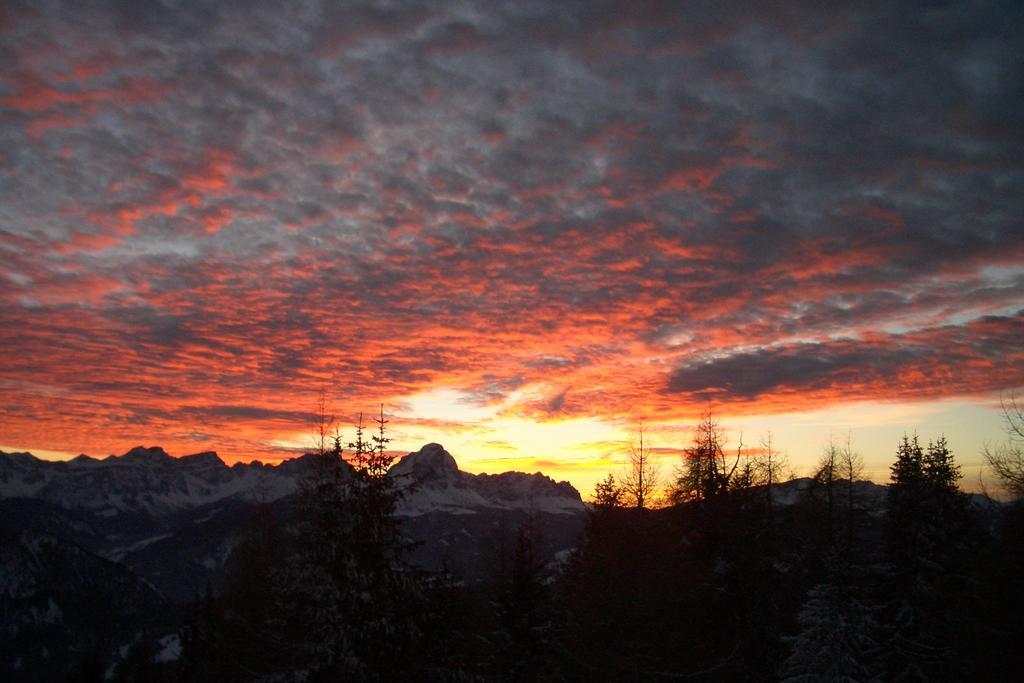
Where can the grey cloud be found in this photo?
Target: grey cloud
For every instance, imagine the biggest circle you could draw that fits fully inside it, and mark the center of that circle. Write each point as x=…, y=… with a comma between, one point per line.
x=550, y=128
x=846, y=365
x=805, y=366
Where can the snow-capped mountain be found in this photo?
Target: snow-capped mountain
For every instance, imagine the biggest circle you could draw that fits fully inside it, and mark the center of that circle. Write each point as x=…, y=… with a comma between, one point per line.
x=434, y=483
x=149, y=481
x=467, y=523
x=142, y=481
x=174, y=521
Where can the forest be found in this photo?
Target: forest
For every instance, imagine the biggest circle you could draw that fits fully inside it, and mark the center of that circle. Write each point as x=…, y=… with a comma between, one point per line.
x=737, y=575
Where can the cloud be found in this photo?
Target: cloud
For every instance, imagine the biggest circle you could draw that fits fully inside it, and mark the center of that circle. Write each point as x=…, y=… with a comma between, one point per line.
x=654, y=204
x=982, y=355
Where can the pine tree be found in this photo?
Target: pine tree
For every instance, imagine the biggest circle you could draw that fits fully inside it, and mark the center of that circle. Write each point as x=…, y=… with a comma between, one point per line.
x=348, y=583
x=523, y=610
x=330, y=597
x=373, y=499
x=939, y=470
x=607, y=494
x=929, y=534
x=907, y=473
x=835, y=642
x=706, y=472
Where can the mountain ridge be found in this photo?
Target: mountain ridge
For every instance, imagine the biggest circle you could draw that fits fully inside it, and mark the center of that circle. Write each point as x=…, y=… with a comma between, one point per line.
x=148, y=480
x=175, y=520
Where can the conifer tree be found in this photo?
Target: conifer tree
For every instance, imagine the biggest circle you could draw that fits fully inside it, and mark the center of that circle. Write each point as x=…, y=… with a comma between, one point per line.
x=907, y=482
x=707, y=471
x=607, y=493
x=350, y=606
x=835, y=642
x=523, y=602
x=929, y=532
x=940, y=471
x=908, y=469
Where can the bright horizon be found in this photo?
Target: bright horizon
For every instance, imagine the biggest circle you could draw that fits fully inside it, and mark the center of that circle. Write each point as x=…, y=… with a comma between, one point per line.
x=525, y=229
x=874, y=430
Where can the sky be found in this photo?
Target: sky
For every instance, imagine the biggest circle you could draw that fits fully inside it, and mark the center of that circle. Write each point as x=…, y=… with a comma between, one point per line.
x=525, y=228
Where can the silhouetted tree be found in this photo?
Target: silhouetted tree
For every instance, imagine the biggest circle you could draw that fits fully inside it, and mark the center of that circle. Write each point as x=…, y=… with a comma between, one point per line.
x=770, y=468
x=826, y=475
x=350, y=572
x=931, y=535
x=330, y=599
x=940, y=471
x=643, y=474
x=607, y=493
x=745, y=477
x=850, y=467
x=524, y=604
x=707, y=471
x=907, y=473
x=323, y=425
x=1007, y=459
x=835, y=476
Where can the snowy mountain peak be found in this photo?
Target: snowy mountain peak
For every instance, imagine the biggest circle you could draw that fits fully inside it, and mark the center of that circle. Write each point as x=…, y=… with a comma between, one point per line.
x=432, y=462
x=437, y=485
x=149, y=481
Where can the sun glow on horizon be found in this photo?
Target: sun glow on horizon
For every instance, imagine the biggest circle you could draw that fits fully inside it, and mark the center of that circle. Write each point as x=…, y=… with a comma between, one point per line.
x=521, y=246
x=584, y=450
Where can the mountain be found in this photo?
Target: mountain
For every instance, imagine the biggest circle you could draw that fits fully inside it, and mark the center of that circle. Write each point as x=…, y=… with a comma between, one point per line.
x=100, y=553
x=63, y=607
x=867, y=495
x=143, y=481
x=174, y=521
x=434, y=483
x=467, y=523
x=149, y=482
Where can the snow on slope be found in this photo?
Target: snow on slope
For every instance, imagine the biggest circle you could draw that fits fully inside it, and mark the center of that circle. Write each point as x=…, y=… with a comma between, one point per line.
x=143, y=480
x=151, y=482
x=435, y=483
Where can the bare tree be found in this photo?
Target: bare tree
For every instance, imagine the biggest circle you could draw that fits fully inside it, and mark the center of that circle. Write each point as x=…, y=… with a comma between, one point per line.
x=827, y=474
x=770, y=466
x=1007, y=459
x=850, y=469
x=641, y=480
x=850, y=463
x=838, y=470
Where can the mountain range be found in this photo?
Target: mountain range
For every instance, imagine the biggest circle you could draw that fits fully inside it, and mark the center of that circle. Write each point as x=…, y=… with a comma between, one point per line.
x=174, y=520
x=100, y=555
x=99, y=546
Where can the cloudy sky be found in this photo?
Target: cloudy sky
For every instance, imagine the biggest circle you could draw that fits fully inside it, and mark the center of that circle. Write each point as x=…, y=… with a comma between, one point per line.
x=524, y=227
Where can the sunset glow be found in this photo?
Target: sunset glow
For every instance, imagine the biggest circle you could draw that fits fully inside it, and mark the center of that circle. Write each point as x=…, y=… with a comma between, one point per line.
x=525, y=230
